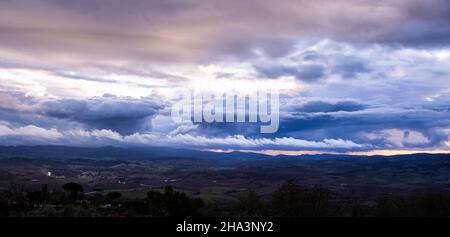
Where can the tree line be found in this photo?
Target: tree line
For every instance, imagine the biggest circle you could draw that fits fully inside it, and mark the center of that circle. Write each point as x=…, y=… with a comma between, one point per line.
x=289, y=200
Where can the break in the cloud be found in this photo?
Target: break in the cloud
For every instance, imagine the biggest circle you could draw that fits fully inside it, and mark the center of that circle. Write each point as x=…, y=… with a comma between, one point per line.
x=353, y=74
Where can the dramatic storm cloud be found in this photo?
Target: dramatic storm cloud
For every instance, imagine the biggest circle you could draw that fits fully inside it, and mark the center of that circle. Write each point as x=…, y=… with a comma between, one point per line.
x=125, y=115
x=353, y=75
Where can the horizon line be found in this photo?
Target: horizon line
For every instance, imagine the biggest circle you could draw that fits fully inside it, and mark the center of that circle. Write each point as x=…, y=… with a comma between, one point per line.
x=381, y=152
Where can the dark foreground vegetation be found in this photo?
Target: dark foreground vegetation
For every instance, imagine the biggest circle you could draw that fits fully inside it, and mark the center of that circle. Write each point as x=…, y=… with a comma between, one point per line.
x=289, y=200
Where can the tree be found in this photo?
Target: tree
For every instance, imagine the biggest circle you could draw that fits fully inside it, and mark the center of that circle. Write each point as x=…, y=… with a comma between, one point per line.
x=4, y=207
x=172, y=204
x=419, y=205
x=45, y=193
x=249, y=205
x=73, y=189
x=292, y=200
x=34, y=198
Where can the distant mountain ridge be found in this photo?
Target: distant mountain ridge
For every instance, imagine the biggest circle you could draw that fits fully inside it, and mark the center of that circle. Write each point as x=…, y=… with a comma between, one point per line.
x=66, y=152
x=111, y=152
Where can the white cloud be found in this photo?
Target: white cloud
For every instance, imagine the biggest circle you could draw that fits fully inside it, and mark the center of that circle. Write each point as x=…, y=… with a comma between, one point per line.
x=398, y=137
x=30, y=131
x=41, y=136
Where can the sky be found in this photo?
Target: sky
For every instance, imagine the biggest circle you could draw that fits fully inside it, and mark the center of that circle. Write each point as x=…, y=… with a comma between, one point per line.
x=354, y=76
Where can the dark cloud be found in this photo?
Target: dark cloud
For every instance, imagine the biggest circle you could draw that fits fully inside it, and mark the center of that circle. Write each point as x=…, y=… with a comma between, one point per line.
x=311, y=66
x=349, y=67
x=352, y=125
x=326, y=107
x=426, y=23
x=313, y=120
x=87, y=77
x=124, y=115
x=304, y=72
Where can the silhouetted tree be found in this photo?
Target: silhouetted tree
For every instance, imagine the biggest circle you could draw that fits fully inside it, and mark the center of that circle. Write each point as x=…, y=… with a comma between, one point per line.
x=419, y=205
x=430, y=204
x=34, y=197
x=172, y=203
x=292, y=200
x=249, y=205
x=388, y=206
x=45, y=194
x=4, y=207
x=74, y=189
x=98, y=199
x=17, y=199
